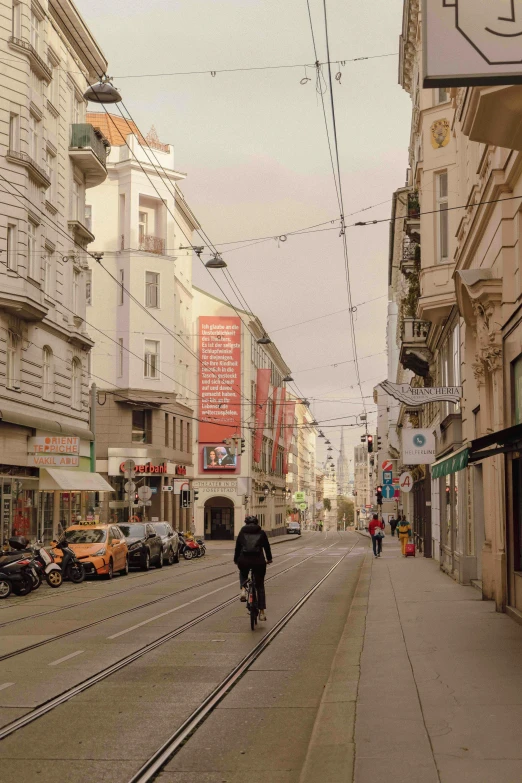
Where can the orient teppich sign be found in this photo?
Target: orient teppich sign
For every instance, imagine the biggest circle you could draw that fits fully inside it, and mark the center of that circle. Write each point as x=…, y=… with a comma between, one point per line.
x=414, y=397
x=468, y=42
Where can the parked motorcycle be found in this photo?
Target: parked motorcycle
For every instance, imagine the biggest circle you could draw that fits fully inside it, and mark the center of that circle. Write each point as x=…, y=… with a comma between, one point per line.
x=14, y=574
x=202, y=547
x=20, y=556
x=71, y=567
x=44, y=561
x=188, y=547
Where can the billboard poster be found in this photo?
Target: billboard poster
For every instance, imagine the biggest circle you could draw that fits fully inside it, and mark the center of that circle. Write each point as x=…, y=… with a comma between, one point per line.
x=262, y=388
x=469, y=42
x=279, y=399
x=218, y=457
x=219, y=378
x=288, y=432
x=418, y=446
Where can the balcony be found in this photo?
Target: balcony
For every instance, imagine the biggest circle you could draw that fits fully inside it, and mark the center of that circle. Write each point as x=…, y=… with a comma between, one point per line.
x=80, y=231
x=411, y=256
x=38, y=65
x=36, y=172
x=438, y=293
x=88, y=151
x=412, y=221
x=22, y=298
x=152, y=244
x=415, y=354
x=493, y=116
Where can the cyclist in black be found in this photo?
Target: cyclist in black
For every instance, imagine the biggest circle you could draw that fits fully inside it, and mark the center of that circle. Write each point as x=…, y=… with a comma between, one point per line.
x=250, y=543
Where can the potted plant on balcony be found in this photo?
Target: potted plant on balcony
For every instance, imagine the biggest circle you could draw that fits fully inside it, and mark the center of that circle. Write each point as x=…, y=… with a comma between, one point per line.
x=413, y=205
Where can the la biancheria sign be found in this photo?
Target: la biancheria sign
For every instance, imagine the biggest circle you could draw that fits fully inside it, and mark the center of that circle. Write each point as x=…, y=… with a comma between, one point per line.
x=415, y=397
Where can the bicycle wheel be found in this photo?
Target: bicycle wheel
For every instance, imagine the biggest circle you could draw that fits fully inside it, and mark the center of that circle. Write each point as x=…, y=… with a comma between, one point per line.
x=253, y=617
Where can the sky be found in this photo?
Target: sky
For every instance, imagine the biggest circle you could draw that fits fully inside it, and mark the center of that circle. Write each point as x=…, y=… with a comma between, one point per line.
x=254, y=147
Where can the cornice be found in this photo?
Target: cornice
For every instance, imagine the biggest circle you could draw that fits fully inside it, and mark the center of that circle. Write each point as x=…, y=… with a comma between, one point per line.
x=408, y=43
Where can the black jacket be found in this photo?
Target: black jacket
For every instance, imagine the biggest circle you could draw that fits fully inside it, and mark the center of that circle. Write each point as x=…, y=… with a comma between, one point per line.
x=252, y=532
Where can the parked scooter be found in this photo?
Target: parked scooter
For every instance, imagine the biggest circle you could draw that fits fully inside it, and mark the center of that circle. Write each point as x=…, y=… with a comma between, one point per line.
x=202, y=547
x=188, y=547
x=70, y=566
x=16, y=573
x=44, y=561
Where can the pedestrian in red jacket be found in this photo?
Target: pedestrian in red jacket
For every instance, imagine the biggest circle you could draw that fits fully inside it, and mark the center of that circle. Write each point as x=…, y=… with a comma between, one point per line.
x=376, y=528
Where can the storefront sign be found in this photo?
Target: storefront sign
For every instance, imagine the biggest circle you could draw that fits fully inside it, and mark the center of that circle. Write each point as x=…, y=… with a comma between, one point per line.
x=52, y=461
x=406, y=482
x=142, y=466
x=148, y=468
x=216, y=487
x=219, y=378
x=414, y=397
x=469, y=42
x=181, y=470
x=418, y=447
x=54, y=445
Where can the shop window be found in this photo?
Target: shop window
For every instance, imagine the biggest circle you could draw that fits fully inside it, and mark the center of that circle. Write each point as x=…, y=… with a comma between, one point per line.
x=141, y=426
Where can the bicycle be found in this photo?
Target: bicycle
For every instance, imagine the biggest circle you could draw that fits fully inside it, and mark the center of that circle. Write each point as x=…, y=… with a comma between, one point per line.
x=252, y=601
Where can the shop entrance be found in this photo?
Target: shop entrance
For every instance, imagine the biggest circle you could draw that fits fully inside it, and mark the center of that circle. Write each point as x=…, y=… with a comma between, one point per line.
x=219, y=519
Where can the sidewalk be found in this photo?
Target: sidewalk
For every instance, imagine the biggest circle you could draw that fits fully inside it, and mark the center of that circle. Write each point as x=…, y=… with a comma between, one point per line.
x=439, y=697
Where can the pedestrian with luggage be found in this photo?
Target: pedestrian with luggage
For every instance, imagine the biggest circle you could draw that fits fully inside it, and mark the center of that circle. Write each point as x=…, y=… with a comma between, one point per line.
x=393, y=524
x=404, y=533
x=376, y=528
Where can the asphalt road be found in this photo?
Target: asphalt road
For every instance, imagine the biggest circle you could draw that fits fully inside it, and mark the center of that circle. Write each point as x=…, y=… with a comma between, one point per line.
x=53, y=641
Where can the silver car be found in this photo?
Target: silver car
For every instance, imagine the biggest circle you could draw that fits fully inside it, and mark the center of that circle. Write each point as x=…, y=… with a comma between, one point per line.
x=294, y=527
x=170, y=541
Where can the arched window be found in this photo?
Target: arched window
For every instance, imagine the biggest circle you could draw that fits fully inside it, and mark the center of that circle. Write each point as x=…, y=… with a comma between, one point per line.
x=76, y=384
x=48, y=374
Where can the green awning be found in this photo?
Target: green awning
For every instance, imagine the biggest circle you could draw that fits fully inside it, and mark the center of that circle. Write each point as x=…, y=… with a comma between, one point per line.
x=456, y=461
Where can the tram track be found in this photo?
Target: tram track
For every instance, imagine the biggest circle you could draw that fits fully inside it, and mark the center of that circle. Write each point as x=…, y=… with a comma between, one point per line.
x=117, y=666
x=142, y=583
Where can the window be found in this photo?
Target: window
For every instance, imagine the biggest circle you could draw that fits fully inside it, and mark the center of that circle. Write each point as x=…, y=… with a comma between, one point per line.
x=440, y=95
x=188, y=436
x=120, y=357
x=142, y=227
x=50, y=161
x=181, y=423
x=121, y=294
x=141, y=429
x=48, y=273
x=16, y=20
x=151, y=359
x=14, y=132
x=122, y=220
x=75, y=205
x=13, y=360
x=32, y=256
x=88, y=287
x=167, y=428
x=12, y=253
x=54, y=87
x=47, y=374
x=441, y=192
x=35, y=31
x=77, y=276
x=75, y=109
x=88, y=217
x=76, y=384
x=151, y=289
x=174, y=432
x=34, y=127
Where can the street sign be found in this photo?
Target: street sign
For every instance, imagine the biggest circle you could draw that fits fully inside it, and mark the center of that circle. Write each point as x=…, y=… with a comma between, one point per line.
x=168, y=488
x=128, y=466
x=299, y=497
x=406, y=482
x=368, y=505
x=303, y=506
x=388, y=492
x=145, y=502
x=387, y=465
x=387, y=477
x=395, y=481
x=130, y=486
x=144, y=493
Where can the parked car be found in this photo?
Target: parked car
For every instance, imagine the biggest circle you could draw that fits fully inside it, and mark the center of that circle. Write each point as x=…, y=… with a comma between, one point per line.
x=294, y=527
x=170, y=541
x=101, y=548
x=145, y=545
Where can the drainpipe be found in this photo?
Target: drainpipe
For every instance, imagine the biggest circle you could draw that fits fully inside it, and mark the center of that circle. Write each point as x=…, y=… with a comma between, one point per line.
x=92, y=422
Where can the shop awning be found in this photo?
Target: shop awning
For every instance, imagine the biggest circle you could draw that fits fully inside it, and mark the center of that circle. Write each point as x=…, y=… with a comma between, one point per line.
x=501, y=442
x=48, y=425
x=451, y=463
x=52, y=479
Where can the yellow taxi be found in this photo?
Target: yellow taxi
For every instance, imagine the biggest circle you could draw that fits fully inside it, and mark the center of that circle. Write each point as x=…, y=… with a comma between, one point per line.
x=101, y=548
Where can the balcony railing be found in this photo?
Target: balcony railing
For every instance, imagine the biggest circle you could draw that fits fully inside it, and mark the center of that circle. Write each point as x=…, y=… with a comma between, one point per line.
x=37, y=63
x=415, y=354
x=415, y=331
x=38, y=173
x=152, y=244
x=411, y=255
x=85, y=136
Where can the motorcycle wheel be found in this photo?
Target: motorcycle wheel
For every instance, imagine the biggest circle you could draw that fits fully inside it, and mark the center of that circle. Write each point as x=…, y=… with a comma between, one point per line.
x=76, y=573
x=24, y=588
x=199, y=552
x=54, y=578
x=5, y=588
x=187, y=554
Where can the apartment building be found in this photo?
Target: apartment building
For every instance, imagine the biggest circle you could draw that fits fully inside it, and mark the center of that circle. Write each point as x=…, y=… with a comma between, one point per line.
x=50, y=158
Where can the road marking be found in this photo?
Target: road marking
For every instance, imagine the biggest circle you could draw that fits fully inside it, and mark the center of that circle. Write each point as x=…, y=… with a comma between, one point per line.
x=6, y=685
x=66, y=657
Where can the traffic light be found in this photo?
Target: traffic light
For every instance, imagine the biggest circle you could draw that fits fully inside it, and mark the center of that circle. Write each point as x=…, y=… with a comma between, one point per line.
x=184, y=498
x=378, y=493
x=243, y=445
x=195, y=494
x=379, y=443
x=136, y=497
x=370, y=444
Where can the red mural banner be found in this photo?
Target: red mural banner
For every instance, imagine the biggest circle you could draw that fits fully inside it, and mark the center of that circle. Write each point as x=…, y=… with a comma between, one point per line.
x=262, y=387
x=279, y=399
x=219, y=378
x=288, y=433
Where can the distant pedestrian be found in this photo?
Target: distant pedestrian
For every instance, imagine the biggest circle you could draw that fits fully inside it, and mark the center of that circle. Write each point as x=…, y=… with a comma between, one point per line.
x=404, y=533
x=376, y=528
x=393, y=524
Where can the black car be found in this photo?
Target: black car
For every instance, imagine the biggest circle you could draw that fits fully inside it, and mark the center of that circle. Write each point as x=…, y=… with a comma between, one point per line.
x=170, y=540
x=145, y=545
